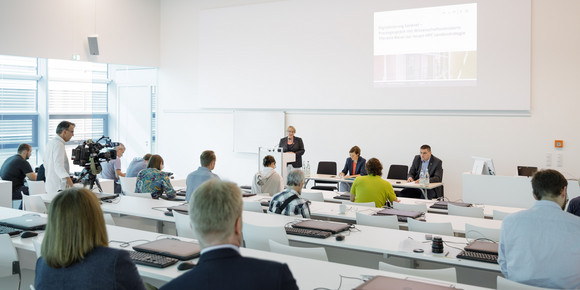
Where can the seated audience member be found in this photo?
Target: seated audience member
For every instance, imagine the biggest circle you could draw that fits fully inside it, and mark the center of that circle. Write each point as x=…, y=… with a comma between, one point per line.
x=216, y=214
x=425, y=162
x=574, y=205
x=372, y=187
x=267, y=180
x=137, y=164
x=155, y=181
x=288, y=202
x=353, y=167
x=16, y=168
x=75, y=252
x=112, y=168
x=202, y=174
x=539, y=246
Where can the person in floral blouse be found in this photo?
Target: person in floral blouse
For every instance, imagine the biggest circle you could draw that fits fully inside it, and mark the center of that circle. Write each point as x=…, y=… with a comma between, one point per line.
x=153, y=180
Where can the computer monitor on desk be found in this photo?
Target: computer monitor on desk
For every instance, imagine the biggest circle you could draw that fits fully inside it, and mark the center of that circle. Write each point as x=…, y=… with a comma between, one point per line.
x=482, y=166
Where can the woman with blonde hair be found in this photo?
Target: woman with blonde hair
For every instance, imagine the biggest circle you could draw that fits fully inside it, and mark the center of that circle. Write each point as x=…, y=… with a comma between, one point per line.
x=75, y=252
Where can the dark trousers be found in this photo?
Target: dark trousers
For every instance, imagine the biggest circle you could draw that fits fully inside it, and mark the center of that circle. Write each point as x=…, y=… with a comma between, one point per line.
x=17, y=194
x=416, y=193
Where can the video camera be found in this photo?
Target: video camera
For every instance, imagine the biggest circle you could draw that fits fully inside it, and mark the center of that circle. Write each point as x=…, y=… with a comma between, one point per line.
x=88, y=155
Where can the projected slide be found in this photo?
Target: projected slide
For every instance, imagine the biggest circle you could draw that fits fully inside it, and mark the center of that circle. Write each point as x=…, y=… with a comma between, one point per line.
x=434, y=46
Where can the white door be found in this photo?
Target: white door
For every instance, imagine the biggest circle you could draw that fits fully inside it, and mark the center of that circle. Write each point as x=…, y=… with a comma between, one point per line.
x=134, y=121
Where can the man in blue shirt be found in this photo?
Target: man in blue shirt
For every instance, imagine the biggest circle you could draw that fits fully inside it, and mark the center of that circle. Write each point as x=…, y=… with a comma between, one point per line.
x=539, y=246
x=137, y=164
x=202, y=174
x=112, y=169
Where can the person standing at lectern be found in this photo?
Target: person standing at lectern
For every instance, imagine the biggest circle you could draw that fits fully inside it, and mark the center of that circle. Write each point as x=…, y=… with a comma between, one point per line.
x=425, y=162
x=294, y=144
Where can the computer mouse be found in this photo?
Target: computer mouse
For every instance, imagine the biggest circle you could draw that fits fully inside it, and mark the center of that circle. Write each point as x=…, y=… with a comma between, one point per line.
x=339, y=237
x=185, y=266
x=25, y=235
x=168, y=213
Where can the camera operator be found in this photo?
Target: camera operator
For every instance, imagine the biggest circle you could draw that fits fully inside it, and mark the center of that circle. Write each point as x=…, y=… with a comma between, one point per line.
x=56, y=161
x=112, y=169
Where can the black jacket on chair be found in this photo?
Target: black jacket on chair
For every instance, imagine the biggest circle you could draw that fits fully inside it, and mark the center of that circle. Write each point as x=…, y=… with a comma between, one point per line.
x=227, y=269
x=435, y=169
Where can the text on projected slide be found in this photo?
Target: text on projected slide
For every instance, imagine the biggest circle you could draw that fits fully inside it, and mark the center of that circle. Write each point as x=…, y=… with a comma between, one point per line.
x=426, y=46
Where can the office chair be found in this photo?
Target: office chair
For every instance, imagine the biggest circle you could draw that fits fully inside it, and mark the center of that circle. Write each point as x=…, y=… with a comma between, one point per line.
x=527, y=170
x=397, y=171
x=326, y=167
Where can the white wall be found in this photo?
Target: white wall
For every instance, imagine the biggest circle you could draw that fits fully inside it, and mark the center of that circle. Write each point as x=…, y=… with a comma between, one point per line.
x=509, y=140
x=128, y=30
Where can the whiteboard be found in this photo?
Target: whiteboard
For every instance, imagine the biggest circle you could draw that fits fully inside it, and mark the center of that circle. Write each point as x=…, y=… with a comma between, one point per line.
x=253, y=129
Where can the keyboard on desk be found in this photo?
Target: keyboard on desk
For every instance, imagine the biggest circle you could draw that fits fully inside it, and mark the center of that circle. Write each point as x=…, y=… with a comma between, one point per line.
x=9, y=230
x=477, y=256
x=153, y=260
x=308, y=233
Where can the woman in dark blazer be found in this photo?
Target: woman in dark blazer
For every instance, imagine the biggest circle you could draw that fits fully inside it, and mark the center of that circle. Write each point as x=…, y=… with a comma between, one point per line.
x=294, y=144
x=75, y=252
x=354, y=166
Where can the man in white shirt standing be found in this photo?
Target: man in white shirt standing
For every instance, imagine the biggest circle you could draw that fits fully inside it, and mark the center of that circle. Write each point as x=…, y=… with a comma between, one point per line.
x=56, y=162
x=539, y=246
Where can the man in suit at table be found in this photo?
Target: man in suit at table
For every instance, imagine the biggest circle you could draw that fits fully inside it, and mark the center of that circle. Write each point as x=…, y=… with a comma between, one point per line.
x=425, y=162
x=216, y=214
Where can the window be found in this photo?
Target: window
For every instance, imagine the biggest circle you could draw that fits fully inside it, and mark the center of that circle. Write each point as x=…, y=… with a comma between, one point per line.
x=18, y=104
x=77, y=92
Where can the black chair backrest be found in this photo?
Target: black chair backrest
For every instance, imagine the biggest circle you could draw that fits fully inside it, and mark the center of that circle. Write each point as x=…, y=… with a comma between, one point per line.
x=397, y=171
x=526, y=170
x=326, y=167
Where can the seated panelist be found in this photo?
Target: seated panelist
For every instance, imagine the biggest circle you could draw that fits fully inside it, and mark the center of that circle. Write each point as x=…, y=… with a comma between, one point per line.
x=425, y=162
x=372, y=187
x=153, y=180
x=353, y=167
x=75, y=252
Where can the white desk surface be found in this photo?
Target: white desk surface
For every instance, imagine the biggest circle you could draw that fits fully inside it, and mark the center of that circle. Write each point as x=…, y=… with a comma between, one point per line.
x=327, y=210
x=487, y=209
x=136, y=206
x=378, y=240
x=308, y=273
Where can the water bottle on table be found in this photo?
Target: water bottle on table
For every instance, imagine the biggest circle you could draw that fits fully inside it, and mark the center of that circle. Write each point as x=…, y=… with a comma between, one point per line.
x=422, y=178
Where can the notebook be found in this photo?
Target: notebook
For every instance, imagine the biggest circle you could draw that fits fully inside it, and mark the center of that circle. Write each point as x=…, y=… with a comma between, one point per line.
x=171, y=248
x=400, y=213
x=332, y=227
x=29, y=222
x=482, y=247
x=443, y=204
x=382, y=282
x=182, y=208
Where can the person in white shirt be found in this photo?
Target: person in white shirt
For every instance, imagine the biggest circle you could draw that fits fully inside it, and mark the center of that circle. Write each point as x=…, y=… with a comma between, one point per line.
x=539, y=246
x=268, y=180
x=56, y=162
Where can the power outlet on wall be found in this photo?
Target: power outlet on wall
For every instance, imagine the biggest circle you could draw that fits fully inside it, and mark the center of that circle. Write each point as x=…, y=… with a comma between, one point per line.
x=548, y=160
x=559, y=159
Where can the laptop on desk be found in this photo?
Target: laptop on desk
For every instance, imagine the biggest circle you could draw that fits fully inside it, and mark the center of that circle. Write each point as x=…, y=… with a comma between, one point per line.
x=182, y=208
x=483, y=247
x=443, y=204
x=106, y=196
x=332, y=227
x=402, y=215
x=28, y=222
x=171, y=248
x=179, y=191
